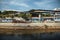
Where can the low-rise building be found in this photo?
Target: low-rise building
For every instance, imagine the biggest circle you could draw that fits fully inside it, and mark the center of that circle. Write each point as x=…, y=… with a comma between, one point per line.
x=45, y=15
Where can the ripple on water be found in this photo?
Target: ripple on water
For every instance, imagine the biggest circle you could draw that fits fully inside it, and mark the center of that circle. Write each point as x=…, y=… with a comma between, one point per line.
x=40, y=36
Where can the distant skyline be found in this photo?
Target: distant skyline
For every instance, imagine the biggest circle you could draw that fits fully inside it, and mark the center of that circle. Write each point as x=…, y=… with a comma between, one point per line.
x=24, y=5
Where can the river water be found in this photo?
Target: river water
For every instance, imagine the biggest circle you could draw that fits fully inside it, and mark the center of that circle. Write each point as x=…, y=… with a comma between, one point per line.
x=34, y=36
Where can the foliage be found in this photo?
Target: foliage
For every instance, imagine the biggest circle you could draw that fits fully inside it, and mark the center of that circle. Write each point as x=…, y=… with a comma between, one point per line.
x=13, y=14
x=46, y=26
x=46, y=15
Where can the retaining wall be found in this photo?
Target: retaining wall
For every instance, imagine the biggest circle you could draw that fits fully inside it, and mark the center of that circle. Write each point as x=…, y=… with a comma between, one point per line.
x=29, y=24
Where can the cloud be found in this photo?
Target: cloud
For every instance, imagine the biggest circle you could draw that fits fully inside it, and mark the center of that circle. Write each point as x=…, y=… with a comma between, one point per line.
x=19, y=4
x=28, y=4
x=12, y=10
x=15, y=3
x=44, y=4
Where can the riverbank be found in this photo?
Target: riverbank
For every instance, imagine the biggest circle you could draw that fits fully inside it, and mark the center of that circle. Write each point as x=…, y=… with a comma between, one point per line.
x=27, y=31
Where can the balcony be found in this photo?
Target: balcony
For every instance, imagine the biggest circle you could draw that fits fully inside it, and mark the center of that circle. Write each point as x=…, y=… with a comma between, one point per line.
x=57, y=16
x=57, y=13
x=57, y=19
x=51, y=16
x=48, y=17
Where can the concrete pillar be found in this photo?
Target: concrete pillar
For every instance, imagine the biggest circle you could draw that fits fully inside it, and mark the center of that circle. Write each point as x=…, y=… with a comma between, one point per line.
x=39, y=17
x=54, y=16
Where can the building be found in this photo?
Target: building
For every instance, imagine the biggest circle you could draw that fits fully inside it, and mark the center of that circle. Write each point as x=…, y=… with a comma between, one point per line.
x=34, y=16
x=45, y=15
x=57, y=15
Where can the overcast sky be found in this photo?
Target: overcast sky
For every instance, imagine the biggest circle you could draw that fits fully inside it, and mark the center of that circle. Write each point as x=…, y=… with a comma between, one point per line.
x=24, y=5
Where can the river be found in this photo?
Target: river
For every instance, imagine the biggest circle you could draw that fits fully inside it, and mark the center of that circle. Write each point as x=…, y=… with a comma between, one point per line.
x=33, y=36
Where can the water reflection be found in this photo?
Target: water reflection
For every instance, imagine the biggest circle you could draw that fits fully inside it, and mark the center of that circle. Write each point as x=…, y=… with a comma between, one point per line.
x=40, y=36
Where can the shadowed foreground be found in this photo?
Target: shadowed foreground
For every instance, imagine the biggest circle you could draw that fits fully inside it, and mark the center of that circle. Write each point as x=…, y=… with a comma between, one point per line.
x=34, y=36
x=29, y=34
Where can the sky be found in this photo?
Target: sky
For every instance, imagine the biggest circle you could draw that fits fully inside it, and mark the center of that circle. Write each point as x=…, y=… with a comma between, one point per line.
x=24, y=5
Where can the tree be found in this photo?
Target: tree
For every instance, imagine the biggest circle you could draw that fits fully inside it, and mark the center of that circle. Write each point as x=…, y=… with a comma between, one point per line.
x=0, y=12
x=46, y=15
x=46, y=26
x=32, y=10
x=27, y=16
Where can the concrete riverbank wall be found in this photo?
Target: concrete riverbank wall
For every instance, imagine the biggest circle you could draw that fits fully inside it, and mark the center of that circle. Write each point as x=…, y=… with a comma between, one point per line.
x=30, y=24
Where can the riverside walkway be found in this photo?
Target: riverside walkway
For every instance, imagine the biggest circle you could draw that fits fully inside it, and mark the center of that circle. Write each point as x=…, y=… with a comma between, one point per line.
x=23, y=28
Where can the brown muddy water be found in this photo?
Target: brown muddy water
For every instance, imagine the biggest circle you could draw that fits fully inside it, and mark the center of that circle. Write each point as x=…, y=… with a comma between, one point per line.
x=29, y=34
